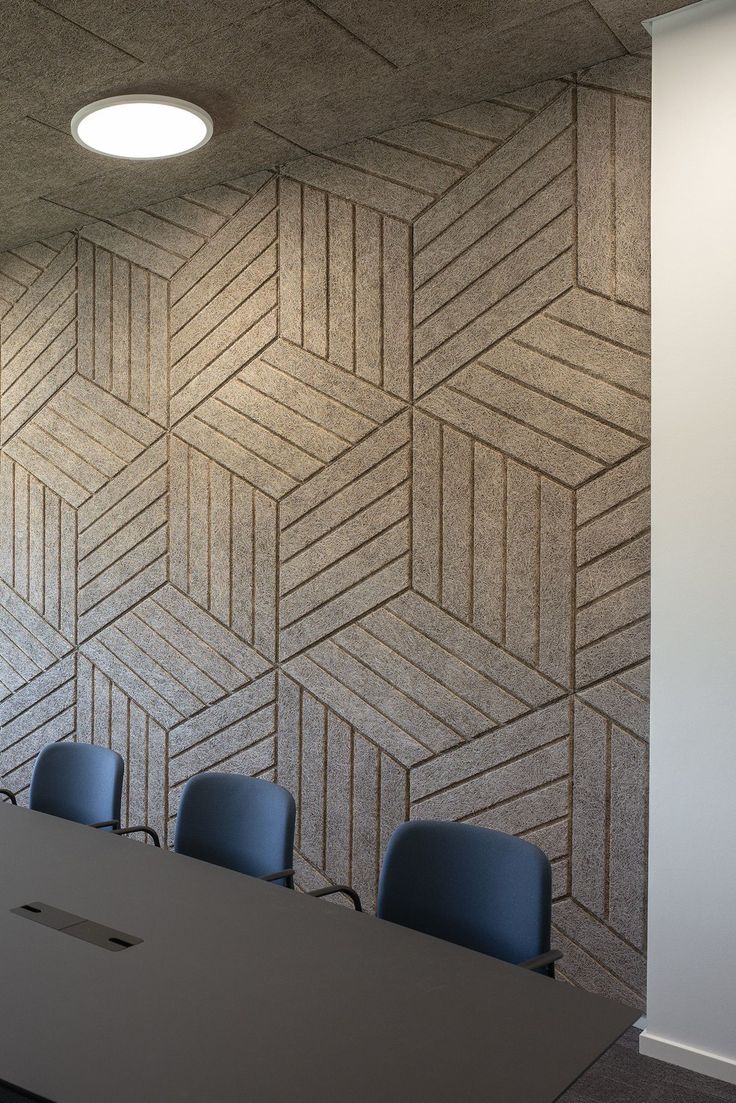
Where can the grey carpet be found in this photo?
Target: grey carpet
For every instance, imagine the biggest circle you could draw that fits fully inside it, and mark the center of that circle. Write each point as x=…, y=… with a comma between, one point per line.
x=622, y=1075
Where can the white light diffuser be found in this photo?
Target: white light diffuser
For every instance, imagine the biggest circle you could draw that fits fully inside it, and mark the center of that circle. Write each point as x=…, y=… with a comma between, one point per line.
x=142, y=127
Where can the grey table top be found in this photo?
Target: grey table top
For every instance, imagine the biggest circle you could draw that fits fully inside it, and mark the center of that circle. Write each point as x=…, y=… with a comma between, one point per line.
x=245, y=991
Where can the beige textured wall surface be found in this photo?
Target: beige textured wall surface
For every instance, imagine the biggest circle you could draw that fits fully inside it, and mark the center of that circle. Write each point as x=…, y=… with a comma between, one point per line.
x=339, y=476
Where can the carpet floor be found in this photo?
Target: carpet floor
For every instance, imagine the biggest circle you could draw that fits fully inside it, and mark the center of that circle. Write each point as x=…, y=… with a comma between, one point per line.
x=622, y=1075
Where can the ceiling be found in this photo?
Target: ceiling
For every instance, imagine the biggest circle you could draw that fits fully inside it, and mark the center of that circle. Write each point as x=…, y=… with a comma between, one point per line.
x=278, y=76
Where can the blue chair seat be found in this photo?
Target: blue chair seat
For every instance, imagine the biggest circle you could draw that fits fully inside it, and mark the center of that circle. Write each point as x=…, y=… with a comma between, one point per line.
x=239, y=822
x=77, y=781
x=479, y=888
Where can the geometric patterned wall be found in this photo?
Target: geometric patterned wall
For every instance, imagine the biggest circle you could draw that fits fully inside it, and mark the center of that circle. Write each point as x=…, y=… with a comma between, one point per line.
x=338, y=476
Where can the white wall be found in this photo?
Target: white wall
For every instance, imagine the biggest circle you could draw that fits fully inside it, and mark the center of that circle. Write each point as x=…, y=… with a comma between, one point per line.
x=691, y=1009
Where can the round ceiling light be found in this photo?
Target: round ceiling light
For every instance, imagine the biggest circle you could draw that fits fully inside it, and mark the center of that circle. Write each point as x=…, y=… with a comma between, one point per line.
x=142, y=127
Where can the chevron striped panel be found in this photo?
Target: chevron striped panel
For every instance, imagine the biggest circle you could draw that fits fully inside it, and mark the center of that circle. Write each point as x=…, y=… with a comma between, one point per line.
x=515, y=779
x=123, y=541
x=283, y=417
x=172, y=658
x=493, y=545
x=237, y=735
x=613, y=191
x=345, y=539
x=624, y=699
x=106, y=716
x=387, y=159
x=375, y=173
x=38, y=538
x=491, y=121
x=80, y=440
x=40, y=712
x=608, y=874
x=345, y=285
x=496, y=248
x=28, y=643
x=160, y=238
x=24, y=266
x=179, y=226
x=629, y=75
x=195, y=219
x=123, y=343
x=224, y=546
x=464, y=136
x=225, y=199
x=444, y=142
x=223, y=303
x=38, y=339
x=612, y=589
x=417, y=682
x=21, y=267
x=586, y=942
x=350, y=792
x=569, y=393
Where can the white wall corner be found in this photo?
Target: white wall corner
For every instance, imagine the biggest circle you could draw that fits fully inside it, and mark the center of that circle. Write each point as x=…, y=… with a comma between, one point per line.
x=687, y=1057
x=691, y=995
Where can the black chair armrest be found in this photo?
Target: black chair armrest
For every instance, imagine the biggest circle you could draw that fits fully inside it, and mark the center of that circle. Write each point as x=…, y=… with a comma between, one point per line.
x=543, y=961
x=330, y=890
x=135, y=830
x=105, y=823
x=7, y=793
x=283, y=875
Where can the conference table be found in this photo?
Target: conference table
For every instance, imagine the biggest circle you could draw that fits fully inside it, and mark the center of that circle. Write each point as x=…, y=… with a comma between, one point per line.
x=134, y=974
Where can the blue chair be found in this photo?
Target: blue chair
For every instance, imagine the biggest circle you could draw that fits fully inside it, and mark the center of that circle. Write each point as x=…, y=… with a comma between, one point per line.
x=242, y=823
x=479, y=888
x=77, y=781
x=245, y=824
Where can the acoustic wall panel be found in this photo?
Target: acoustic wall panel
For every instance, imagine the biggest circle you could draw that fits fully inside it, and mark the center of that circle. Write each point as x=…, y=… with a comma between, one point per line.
x=38, y=342
x=339, y=477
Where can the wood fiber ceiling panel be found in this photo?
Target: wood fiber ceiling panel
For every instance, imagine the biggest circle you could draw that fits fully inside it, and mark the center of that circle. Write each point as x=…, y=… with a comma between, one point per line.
x=278, y=77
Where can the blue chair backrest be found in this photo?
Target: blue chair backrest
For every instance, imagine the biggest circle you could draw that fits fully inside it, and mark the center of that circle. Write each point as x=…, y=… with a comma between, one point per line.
x=239, y=822
x=77, y=781
x=478, y=888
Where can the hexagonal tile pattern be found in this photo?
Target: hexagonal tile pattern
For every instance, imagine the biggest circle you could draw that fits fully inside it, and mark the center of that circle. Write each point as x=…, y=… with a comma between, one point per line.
x=338, y=476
